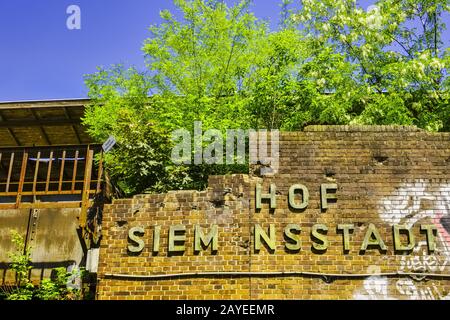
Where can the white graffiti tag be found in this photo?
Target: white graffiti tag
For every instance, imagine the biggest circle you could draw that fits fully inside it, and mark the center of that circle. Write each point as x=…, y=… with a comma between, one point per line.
x=413, y=202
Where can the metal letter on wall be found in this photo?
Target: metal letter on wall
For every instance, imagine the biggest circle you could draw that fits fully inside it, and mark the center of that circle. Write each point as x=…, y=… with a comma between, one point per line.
x=174, y=238
x=305, y=199
x=138, y=243
x=346, y=228
x=372, y=238
x=398, y=246
x=325, y=196
x=294, y=238
x=430, y=230
x=210, y=238
x=316, y=236
x=261, y=234
x=271, y=196
x=156, y=238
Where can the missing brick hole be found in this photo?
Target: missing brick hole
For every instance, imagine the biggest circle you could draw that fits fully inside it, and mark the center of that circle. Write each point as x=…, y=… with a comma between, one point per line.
x=380, y=159
x=218, y=203
x=121, y=223
x=329, y=172
x=244, y=244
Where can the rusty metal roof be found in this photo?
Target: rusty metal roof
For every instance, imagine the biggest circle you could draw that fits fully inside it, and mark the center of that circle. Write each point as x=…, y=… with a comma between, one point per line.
x=43, y=123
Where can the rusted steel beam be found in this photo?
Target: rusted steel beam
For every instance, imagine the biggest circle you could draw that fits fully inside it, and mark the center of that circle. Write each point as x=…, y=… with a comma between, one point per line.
x=86, y=188
x=44, y=182
x=39, y=205
x=100, y=173
x=43, y=193
x=44, y=205
x=23, y=171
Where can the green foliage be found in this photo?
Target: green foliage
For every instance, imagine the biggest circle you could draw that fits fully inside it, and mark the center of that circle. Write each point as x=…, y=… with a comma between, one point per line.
x=20, y=264
x=330, y=62
x=50, y=289
x=392, y=73
x=207, y=53
x=141, y=162
x=56, y=288
x=195, y=70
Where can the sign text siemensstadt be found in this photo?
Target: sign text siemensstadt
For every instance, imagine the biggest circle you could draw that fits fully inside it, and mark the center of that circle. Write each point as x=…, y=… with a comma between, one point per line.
x=403, y=237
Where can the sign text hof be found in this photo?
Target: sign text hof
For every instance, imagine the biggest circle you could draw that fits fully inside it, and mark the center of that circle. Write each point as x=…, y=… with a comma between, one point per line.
x=403, y=237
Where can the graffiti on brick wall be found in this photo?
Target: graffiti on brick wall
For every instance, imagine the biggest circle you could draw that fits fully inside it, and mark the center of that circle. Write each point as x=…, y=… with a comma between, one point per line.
x=374, y=287
x=412, y=202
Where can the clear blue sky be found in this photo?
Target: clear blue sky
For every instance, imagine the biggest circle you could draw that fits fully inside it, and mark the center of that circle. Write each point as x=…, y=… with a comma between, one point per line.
x=41, y=59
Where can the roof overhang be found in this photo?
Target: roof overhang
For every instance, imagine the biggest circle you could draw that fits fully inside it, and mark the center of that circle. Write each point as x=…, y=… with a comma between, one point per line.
x=43, y=123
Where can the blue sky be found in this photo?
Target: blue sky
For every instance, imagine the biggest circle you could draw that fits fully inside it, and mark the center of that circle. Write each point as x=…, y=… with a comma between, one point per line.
x=40, y=58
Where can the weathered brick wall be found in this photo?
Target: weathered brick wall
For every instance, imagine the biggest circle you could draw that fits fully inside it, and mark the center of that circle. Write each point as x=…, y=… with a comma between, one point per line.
x=384, y=175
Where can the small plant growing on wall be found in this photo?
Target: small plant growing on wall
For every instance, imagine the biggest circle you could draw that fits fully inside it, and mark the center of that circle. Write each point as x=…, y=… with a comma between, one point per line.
x=21, y=260
x=55, y=288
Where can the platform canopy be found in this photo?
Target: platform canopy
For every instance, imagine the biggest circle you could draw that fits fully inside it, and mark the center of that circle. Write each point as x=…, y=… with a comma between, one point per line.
x=43, y=123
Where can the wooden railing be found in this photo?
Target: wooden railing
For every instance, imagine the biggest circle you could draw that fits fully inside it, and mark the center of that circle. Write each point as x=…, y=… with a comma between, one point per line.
x=50, y=177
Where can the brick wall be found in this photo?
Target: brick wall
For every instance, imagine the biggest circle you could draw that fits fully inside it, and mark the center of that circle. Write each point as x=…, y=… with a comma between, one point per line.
x=385, y=176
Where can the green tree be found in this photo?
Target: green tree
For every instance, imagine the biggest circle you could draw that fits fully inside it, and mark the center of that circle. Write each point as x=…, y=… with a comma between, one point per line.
x=334, y=63
x=196, y=68
x=388, y=70
x=330, y=62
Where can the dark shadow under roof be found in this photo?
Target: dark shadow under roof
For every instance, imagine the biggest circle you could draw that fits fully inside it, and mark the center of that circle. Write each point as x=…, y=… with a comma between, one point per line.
x=43, y=123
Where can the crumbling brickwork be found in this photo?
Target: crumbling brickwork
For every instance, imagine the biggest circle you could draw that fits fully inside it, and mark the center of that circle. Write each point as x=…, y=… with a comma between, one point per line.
x=385, y=176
